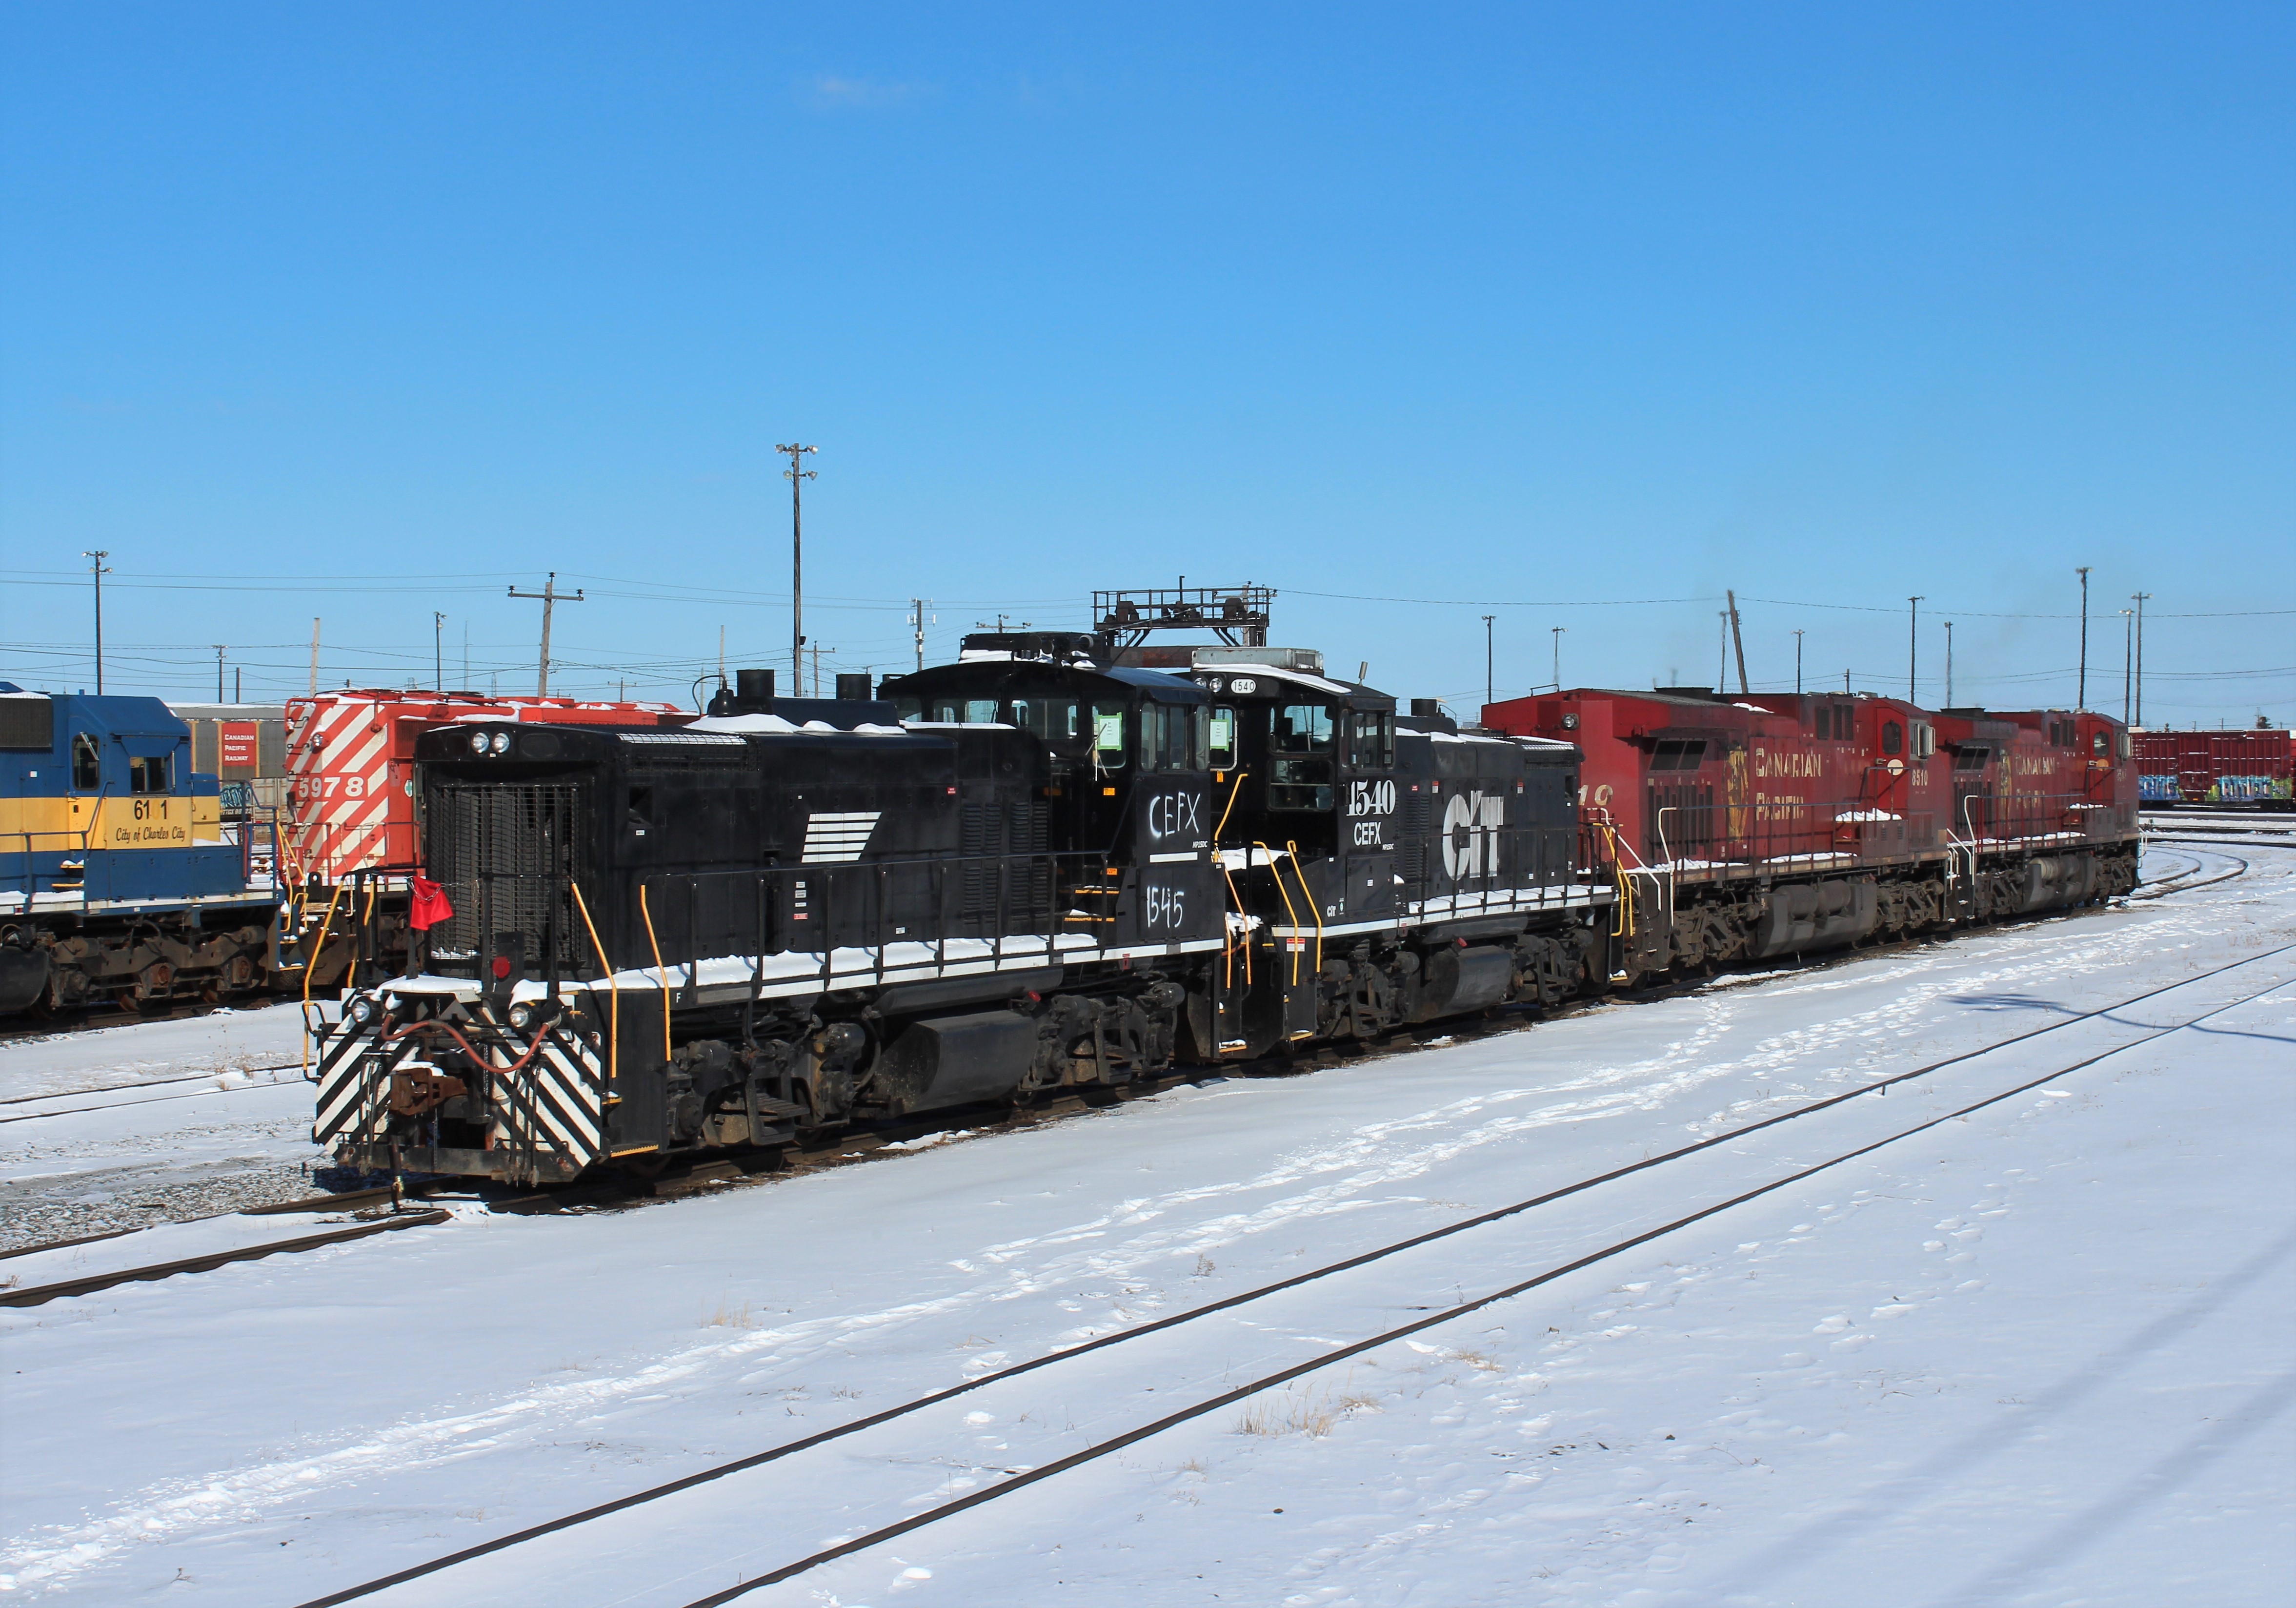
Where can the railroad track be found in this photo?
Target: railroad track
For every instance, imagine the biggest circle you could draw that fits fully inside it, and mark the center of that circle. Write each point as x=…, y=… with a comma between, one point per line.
x=95, y=1020
x=36, y=1295
x=2194, y=880
x=2287, y=841
x=77, y=1094
x=621, y=1192
x=1020, y=1479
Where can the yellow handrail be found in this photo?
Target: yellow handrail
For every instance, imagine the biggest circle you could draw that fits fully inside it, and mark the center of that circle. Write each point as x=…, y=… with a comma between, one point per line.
x=1314, y=908
x=1288, y=907
x=1232, y=793
x=655, y=945
x=309, y=960
x=350, y=978
x=613, y=989
x=1227, y=950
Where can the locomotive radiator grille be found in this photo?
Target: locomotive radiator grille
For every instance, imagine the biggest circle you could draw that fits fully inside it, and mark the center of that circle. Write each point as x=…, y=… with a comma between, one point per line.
x=1007, y=830
x=508, y=855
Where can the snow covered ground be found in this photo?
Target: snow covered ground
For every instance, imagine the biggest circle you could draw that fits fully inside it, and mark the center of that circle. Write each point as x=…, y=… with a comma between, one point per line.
x=123, y=1127
x=2037, y=1354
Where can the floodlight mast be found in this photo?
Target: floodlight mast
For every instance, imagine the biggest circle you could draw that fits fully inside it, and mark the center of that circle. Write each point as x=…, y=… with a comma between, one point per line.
x=796, y=475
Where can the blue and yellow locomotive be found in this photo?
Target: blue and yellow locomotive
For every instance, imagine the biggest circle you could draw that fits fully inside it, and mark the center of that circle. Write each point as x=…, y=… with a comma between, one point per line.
x=120, y=879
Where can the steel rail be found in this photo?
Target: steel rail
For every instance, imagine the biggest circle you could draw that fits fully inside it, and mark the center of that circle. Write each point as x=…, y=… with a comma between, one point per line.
x=40, y=1294
x=120, y=1106
x=2289, y=841
x=1285, y=1376
x=885, y=1415
x=116, y=1088
x=2194, y=880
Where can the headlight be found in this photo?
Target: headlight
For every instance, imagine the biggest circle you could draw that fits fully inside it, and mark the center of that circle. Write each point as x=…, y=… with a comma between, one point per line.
x=478, y=743
x=500, y=743
x=521, y=1016
x=362, y=1010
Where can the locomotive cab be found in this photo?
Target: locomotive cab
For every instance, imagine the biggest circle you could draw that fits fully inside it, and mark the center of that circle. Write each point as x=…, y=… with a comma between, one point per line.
x=1309, y=791
x=1126, y=793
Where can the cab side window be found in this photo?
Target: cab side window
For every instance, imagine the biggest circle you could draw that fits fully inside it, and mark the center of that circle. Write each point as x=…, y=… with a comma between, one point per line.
x=87, y=767
x=1108, y=736
x=1371, y=741
x=1166, y=736
x=148, y=775
x=1220, y=741
x=1299, y=764
x=1893, y=737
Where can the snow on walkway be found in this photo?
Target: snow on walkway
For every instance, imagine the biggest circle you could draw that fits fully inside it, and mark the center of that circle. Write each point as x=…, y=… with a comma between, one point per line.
x=2035, y=1354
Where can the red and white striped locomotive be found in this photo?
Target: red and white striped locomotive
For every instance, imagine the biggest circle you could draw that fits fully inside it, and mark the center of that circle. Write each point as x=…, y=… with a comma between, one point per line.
x=351, y=828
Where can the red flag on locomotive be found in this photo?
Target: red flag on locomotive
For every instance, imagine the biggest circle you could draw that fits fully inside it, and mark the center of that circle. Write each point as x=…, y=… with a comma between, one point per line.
x=428, y=907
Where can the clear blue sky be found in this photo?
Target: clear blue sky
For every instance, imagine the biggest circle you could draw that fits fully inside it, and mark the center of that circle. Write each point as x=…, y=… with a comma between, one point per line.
x=363, y=311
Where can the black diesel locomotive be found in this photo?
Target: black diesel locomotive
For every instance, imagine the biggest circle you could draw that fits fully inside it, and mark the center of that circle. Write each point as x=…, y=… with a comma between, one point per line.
x=1024, y=871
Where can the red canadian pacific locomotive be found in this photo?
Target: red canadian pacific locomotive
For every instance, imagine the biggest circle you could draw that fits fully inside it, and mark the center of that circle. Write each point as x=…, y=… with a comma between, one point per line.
x=1772, y=824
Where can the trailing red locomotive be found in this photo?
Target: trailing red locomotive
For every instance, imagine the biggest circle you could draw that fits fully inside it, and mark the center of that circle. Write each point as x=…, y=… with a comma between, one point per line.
x=1771, y=824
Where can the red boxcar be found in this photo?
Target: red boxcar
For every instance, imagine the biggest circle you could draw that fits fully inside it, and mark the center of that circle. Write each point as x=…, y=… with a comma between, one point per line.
x=2243, y=769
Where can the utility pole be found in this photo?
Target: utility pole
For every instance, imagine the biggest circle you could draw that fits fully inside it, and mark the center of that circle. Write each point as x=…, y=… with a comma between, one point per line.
x=1487, y=657
x=797, y=475
x=437, y=650
x=1722, y=656
x=1797, y=664
x=1949, y=665
x=817, y=670
x=1913, y=649
x=1738, y=642
x=1558, y=631
x=2140, y=597
x=218, y=648
x=95, y=567
x=238, y=692
x=2128, y=658
x=2080, y=697
x=917, y=618
x=314, y=656
x=550, y=597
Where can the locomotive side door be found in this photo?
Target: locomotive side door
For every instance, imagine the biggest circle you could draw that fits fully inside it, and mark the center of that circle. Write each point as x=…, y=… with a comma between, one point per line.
x=1369, y=807
x=1172, y=821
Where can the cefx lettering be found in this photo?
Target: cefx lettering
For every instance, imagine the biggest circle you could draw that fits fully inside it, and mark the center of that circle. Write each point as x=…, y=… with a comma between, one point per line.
x=1175, y=815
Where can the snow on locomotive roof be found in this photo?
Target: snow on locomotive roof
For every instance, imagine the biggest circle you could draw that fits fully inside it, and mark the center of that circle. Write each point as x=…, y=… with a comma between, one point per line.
x=774, y=726
x=1320, y=683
